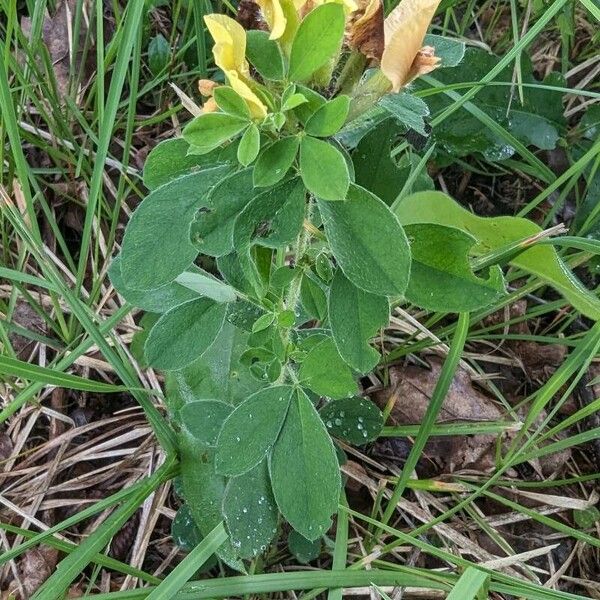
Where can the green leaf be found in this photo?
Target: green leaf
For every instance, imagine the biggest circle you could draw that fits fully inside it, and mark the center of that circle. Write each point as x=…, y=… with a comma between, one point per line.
x=218, y=373
x=264, y=54
x=376, y=171
x=317, y=41
x=275, y=161
x=450, y=51
x=184, y=531
x=313, y=298
x=586, y=518
x=251, y=430
x=314, y=101
x=156, y=245
x=204, y=491
x=329, y=118
x=304, y=470
x=443, y=280
x=210, y=130
x=250, y=511
x=538, y=121
x=230, y=102
x=323, y=169
x=159, y=300
x=249, y=145
x=205, y=284
x=354, y=420
x=493, y=233
x=293, y=101
x=158, y=53
x=325, y=373
x=355, y=317
x=203, y=420
x=273, y=218
x=170, y=160
x=212, y=231
x=408, y=109
x=304, y=550
x=181, y=335
x=368, y=242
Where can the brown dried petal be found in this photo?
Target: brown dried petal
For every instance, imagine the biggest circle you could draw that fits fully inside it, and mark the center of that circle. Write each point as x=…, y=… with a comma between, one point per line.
x=364, y=30
x=206, y=87
x=405, y=28
x=425, y=62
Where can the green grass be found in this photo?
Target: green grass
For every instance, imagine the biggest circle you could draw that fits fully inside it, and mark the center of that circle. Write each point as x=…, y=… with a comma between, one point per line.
x=83, y=156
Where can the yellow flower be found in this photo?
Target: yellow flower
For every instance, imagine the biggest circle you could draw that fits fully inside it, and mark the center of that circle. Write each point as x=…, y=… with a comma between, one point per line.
x=230, y=56
x=404, y=29
x=273, y=13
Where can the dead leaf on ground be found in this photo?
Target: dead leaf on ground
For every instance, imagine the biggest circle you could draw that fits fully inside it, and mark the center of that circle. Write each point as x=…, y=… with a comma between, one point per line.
x=36, y=565
x=411, y=388
x=57, y=31
x=27, y=318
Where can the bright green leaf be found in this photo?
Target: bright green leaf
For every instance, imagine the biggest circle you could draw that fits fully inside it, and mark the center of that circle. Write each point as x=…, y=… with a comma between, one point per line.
x=264, y=54
x=275, y=161
x=368, y=242
x=493, y=233
x=317, y=41
x=210, y=130
x=324, y=372
x=304, y=470
x=323, y=168
x=330, y=118
x=181, y=335
x=205, y=284
x=249, y=145
x=230, y=102
x=251, y=430
x=355, y=317
x=444, y=280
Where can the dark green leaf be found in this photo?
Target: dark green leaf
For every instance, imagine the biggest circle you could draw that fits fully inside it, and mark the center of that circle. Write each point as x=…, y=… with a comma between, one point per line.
x=313, y=298
x=212, y=232
x=203, y=420
x=329, y=118
x=586, y=518
x=304, y=470
x=317, y=41
x=450, y=51
x=324, y=372
x=408, y=109
x=181, y=335
x=264, y=54
x=156, y=246
x=354, y=420
x=204, y=491
x=275, y=161
x=210, y=130
x=218, y=373
x=230, y=102
x=159, y=300
x=323, y=168
x=249, y=145
x=250, y=511
x=158, y=53
x=304, y=550
x=273, y=218
x=443, y=280
x=184, y=531
x=170, y=160
x=368, y=242
x=251, y=430
x=355, y=317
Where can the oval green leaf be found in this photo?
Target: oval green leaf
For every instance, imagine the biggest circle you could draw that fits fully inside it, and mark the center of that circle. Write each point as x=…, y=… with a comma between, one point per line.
x=304, y=469
x=330, y=118
x=275, y=161
x=324, y=170
x=249, y=146
x=354, y=420
x=368, y=242
x=210, y=130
